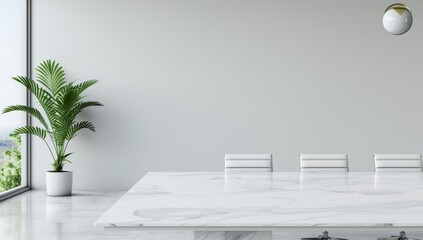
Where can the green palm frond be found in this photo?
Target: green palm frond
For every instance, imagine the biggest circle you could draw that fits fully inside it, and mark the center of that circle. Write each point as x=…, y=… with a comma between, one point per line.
x=77, y=127
x=82, y=105
x=30, y=110
x=51, y=75
x=44, y=97
x=39, y=132
x=80, y=88
x=62, y=102
x=65, y=104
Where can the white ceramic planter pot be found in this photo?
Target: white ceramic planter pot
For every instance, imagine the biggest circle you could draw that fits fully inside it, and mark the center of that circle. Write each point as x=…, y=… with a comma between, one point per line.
x=59, y=183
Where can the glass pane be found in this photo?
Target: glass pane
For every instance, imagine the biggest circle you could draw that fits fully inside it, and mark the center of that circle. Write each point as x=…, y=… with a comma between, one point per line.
x=12, y=63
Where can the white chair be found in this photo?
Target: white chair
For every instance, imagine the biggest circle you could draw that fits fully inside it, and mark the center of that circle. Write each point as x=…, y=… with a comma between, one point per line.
x=324, y=162
x=398, y=162
x=248, y=162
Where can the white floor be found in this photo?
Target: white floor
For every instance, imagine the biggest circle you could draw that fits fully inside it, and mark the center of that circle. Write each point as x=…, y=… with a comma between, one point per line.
x=33, y=215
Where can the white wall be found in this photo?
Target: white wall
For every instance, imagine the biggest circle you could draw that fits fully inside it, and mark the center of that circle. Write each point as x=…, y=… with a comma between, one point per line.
x=186, y=81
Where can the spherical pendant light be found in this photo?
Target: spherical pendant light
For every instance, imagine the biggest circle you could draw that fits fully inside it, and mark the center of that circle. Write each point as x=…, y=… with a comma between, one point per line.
x=397, y=19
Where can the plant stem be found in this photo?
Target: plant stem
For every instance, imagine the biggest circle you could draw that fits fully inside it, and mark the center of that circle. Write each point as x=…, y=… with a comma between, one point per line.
x=52, y=155
x=66, y=145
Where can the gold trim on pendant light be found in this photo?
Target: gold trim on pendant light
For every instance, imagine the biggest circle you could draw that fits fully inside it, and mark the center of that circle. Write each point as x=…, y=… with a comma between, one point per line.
x=397, y=19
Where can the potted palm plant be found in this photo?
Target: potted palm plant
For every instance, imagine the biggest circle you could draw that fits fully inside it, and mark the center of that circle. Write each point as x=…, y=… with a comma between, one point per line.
x=61, y=102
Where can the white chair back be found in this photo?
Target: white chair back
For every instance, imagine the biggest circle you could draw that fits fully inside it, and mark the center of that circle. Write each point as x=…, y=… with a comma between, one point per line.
x=248, y=162
x=324, y=162
x=398, y=162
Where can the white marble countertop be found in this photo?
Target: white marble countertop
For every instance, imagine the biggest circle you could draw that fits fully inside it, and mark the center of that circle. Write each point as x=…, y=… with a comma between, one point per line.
x=270, y=200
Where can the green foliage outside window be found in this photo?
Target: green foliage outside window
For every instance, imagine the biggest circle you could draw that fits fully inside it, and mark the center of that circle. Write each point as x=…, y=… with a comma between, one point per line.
x=11, y=170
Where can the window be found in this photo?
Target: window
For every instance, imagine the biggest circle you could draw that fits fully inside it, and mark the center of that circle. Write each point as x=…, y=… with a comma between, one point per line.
x=14, y=60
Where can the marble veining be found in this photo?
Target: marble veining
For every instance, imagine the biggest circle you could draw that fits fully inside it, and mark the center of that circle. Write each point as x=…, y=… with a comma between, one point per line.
x=233, y=235
x=35, y=216
x=272, y=200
